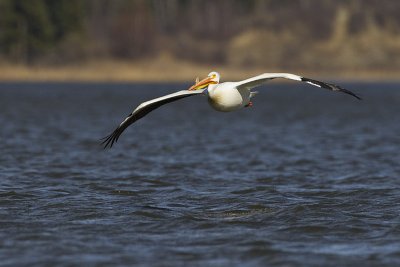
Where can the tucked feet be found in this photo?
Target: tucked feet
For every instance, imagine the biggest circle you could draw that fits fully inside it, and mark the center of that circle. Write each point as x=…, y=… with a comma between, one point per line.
x=250, y=104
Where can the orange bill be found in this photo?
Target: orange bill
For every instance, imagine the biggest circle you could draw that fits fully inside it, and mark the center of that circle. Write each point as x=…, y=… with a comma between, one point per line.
x=202, y=84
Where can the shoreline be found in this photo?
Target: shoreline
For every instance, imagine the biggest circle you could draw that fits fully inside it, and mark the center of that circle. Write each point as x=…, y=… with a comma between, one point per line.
x=171, y=71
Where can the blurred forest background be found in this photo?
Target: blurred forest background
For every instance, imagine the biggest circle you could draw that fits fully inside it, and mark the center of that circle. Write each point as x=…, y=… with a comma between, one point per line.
x=352, y=36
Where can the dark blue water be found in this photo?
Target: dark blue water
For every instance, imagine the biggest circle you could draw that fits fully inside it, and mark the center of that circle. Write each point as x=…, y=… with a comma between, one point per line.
x=306, y=177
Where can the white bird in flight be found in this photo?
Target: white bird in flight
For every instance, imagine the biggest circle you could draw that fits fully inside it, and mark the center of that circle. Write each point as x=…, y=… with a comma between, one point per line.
x=225, y=97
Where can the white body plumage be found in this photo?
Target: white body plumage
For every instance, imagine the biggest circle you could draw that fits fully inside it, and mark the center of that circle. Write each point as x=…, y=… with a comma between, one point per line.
x=227, y=97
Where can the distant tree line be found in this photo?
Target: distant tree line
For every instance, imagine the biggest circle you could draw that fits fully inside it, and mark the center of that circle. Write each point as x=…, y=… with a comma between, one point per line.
x=223, y=31
x=31, y=29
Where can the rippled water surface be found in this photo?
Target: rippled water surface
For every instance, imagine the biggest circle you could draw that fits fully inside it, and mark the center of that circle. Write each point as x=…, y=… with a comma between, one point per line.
x=305, y=177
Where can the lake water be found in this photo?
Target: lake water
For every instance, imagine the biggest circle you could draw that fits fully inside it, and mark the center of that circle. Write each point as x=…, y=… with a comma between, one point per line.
x=305, y=177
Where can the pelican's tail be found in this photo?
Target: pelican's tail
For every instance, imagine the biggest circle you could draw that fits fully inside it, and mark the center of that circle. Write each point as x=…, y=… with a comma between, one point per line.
x=253, y=94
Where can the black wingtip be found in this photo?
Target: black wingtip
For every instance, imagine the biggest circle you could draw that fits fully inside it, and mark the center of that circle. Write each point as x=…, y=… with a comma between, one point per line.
x=330, y=86
x=348, y=92
x=109, y=140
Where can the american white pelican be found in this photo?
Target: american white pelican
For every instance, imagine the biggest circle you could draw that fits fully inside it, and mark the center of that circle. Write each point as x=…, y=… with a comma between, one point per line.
x=226, y=96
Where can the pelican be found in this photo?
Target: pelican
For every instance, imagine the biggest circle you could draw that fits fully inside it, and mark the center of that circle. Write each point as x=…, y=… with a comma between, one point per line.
x=225, y=97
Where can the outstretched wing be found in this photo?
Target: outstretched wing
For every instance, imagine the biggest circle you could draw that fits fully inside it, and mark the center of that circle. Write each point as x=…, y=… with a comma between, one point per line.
x=260, y=79
x=142, y=110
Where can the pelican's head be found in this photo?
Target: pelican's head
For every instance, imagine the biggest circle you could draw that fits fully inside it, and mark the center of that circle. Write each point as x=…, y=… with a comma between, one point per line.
x=212, y=78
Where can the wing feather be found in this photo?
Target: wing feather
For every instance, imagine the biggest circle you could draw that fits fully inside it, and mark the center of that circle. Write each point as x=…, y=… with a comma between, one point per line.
x=261, y=79
x=142, y=110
